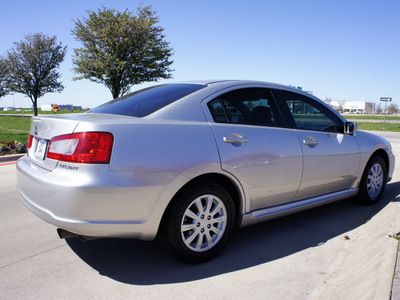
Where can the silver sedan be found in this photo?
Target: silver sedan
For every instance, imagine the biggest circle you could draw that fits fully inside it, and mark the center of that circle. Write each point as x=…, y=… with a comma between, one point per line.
x=192, y=161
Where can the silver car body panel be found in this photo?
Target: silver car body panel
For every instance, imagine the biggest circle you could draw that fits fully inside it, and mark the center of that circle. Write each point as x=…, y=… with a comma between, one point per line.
x=370, y=144
x=155, y=156
x=123, y=204
x=329, y=166
x=269, y=167
x=289, y=208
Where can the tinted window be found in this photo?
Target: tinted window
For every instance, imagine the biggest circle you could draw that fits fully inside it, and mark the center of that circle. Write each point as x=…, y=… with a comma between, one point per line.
x=144, y=102
x=309, y=114
x=217, y=111
x=253, y=106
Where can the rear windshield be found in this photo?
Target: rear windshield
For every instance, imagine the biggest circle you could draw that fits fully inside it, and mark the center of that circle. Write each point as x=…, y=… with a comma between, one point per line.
x=144, y=102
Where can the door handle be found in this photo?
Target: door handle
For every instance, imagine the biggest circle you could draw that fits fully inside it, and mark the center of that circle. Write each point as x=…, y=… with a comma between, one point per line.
x=235, y=139
x=310, y=141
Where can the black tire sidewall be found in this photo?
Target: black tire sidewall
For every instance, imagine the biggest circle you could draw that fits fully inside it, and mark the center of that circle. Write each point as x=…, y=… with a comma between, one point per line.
x=363, y=195
x=174, y=222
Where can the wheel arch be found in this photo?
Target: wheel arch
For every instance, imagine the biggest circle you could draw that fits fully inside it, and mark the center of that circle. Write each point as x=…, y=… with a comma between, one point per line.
x=371, y=185
x=383, y=154
x=232, y=187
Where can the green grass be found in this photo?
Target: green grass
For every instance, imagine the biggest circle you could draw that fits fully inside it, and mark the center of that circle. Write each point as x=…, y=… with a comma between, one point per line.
x=395, y=127
x=14, y=128
x=60, y=112
x=395, y=236
x=30, y=112
x=370, y=117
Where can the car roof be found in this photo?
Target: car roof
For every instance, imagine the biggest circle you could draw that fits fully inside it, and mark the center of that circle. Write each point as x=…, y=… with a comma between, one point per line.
x=233, y=82
x=227, y=81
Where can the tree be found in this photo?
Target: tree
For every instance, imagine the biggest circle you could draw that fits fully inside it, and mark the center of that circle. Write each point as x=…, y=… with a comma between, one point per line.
x=121, y=49
x=4, y=78
x=393, y=108
x=328, y=100
x=379, y=109
x=33, y=64
x=341, y=106
x=369, y=107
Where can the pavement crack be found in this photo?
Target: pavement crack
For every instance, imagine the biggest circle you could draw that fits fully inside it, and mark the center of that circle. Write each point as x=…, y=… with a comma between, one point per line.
x=29, y=257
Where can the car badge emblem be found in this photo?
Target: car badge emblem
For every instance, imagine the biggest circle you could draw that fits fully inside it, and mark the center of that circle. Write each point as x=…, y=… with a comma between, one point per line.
x=36, y=132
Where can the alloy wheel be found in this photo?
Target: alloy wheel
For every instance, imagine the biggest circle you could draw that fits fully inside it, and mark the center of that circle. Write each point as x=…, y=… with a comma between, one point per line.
x=204, y=223
x=375, y=180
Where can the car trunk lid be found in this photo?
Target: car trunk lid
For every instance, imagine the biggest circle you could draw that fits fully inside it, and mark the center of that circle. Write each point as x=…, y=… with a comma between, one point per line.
x=43, y=129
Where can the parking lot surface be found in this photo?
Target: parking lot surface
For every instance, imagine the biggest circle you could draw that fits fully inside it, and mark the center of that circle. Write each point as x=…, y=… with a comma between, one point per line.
x=338, y=251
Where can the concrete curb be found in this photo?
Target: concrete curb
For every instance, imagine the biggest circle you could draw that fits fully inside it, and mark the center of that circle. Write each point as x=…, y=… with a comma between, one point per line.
x=396, y=278
x=11, y=158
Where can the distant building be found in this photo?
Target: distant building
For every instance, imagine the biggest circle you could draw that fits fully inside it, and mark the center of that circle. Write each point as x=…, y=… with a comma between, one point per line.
x=8, y=108
x=353, y=107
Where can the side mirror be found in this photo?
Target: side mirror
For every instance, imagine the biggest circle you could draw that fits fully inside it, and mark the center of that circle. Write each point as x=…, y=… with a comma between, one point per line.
x=350, y=128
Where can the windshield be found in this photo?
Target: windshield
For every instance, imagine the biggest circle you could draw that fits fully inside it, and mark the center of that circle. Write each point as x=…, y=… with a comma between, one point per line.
x=146, y=101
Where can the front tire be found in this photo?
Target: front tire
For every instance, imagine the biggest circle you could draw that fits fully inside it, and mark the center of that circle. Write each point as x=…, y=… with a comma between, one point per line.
x=373, y=181
x=201, y=222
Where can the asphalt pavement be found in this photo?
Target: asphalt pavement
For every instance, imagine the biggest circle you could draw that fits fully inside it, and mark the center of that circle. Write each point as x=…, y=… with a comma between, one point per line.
x=339, y=251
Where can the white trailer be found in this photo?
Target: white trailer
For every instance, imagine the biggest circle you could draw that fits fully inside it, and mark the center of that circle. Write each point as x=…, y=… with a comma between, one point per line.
x=46, y=107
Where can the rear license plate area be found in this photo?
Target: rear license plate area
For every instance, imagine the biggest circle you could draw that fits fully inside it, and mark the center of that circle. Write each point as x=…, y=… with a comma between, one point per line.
x=41, y=147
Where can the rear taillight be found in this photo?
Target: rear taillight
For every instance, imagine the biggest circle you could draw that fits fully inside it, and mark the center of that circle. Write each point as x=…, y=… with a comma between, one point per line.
x=82, y=147
x=30, y=140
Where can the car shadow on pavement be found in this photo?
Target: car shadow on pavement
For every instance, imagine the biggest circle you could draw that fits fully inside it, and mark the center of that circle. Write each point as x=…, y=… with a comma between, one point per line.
x=148, y=263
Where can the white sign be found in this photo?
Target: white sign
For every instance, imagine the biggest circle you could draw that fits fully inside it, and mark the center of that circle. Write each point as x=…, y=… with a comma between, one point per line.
x=386, y=99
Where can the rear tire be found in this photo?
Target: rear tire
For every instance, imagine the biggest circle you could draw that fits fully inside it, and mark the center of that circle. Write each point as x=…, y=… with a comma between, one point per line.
x=373, y=181
x=201, y=222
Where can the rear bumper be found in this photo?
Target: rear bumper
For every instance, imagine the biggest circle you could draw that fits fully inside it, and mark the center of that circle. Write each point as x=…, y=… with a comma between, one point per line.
x=94, y=201
x=93, y=228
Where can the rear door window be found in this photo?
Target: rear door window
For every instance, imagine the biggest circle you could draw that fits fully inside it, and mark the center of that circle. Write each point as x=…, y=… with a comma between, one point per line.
x=252, y=106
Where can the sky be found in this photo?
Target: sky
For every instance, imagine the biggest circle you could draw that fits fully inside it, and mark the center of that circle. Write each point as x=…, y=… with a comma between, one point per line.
x=342, y=49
